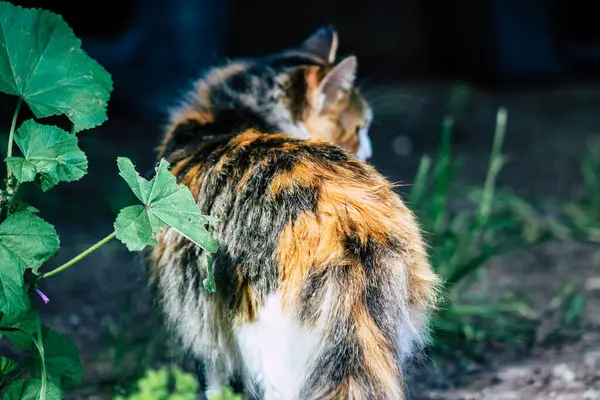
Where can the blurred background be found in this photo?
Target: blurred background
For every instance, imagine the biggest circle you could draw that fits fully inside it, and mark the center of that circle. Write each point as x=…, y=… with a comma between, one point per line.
x=152, y=46
x=419, y=61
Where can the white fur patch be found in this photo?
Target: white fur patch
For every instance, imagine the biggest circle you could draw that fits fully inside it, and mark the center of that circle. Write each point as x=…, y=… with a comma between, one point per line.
x=365, y=149
x=412, y=334
x=297, y=131
x=277, y=351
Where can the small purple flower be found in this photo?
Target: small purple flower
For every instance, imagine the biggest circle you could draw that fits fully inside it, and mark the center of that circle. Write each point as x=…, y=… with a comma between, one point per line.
x=42, y=295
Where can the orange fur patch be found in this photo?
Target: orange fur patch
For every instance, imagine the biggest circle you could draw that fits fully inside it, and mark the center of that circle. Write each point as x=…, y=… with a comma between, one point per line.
x=363, y=205
x=249, y=305
x=310, y=241
x=302, y=174
x=246, y=138
x=179, y=166
x=314, y=76
x=193, y=179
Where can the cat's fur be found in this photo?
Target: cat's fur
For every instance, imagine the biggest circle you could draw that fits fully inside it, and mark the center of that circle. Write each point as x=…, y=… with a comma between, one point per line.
x=323, y=283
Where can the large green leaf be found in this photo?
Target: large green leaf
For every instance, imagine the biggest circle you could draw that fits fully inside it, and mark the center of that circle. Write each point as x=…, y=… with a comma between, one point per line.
x=30, y=390
x=23, y=328
x=50, y=153
x=26, y=241
x=13, y=295
x=62, y=359
x=42, y=62
x=165, y=204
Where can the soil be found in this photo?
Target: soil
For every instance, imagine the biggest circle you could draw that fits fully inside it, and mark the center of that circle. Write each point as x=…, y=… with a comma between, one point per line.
x=102, y=303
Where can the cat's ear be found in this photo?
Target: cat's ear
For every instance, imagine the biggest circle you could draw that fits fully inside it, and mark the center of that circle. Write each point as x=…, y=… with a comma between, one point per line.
x=337, y=81
x=323, y=44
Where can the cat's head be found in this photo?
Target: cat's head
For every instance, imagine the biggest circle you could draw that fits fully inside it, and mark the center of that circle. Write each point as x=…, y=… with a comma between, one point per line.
x=332, y=107
x=304, y=91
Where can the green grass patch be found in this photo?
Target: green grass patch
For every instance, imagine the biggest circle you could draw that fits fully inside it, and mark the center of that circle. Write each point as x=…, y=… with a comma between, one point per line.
x=463, y=238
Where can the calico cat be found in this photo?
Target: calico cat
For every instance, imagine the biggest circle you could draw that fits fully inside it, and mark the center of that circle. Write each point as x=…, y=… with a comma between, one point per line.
x=323, y=281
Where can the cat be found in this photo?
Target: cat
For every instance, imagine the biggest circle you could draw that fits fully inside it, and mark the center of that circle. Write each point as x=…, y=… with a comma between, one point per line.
x=323, y=285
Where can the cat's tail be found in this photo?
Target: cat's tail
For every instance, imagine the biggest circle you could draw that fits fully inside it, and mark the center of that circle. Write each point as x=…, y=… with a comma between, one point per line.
x=363, y=281
x=365, y=339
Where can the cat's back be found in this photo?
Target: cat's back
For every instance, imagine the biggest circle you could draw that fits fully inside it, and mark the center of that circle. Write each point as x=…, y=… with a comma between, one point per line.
x=306, y=229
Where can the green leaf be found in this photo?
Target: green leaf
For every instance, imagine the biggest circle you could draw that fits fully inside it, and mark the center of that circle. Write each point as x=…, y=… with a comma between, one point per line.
x=13, y=296
x=7, y=366
x=134, y=228
x=62, y=359
x=50, y=153
x=42, y=62
x=22, y=206
x=26, y=241
x=226, y=393
x=165, y=204
x=23, y=328
x=30, y=390
x=575, y=309
x=166, y=383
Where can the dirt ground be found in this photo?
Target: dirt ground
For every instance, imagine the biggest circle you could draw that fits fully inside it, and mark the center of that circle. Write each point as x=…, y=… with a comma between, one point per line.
x=103, y=304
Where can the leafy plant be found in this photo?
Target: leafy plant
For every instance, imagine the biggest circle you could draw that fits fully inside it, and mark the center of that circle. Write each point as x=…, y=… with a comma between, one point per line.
x=129, y=346
x=463, y=239
x=172, y=383
x=157, y=384
x=584, y=217
x=225, y=394
x=41, y=63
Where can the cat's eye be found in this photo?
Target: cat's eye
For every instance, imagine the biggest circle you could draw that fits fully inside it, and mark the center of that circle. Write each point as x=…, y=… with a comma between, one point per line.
x=357, y=131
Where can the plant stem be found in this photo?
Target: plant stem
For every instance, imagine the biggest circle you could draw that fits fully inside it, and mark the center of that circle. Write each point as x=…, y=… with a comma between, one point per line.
x=420, y=185
x=442, y=175
x=39, y=344
x=79, y=257
x=496, y=163
x=484, y=209
x=12, y=134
